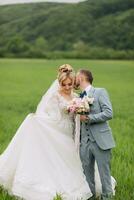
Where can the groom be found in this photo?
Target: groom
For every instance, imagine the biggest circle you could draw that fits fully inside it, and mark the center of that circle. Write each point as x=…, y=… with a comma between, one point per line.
x=96, y=136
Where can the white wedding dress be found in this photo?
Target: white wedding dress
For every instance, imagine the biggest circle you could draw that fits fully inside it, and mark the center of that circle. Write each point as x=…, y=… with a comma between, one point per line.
x=41, y=159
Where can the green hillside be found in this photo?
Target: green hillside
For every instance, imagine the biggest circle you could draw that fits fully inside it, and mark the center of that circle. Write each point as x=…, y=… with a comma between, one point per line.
x=83, y=29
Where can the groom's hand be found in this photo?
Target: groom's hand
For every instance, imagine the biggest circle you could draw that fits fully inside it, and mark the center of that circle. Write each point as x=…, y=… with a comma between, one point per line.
x=83, y=118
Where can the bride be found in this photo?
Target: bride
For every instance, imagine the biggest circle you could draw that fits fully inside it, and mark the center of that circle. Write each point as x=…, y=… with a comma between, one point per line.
x=41, y=159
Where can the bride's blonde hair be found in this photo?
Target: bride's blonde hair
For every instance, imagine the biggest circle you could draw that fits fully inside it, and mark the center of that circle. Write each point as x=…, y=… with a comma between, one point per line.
x=65, y=71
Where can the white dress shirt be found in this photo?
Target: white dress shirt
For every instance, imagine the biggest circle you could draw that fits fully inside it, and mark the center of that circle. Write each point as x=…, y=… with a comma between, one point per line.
x=88, y=88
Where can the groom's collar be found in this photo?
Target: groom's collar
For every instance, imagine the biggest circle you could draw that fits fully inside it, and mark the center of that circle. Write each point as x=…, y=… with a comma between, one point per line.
x=91, y=91
x=87, y=89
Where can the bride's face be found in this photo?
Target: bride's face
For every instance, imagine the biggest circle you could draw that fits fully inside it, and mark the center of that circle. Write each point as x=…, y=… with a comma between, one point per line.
x=67, y=86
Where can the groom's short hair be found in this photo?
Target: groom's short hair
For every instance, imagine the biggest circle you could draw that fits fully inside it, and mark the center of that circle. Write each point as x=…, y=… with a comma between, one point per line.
x=88, y=75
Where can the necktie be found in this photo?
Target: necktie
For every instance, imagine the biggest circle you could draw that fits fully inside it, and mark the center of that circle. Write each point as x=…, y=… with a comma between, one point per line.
x=83, y=94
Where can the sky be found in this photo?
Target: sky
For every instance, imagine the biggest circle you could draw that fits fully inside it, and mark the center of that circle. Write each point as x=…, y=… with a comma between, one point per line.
x=5, y=2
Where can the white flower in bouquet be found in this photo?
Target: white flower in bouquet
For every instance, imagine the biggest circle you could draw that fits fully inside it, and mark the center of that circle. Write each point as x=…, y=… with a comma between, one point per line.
x=80, y=106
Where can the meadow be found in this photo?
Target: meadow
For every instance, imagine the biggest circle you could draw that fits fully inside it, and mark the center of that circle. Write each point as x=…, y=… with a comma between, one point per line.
x=24, y=81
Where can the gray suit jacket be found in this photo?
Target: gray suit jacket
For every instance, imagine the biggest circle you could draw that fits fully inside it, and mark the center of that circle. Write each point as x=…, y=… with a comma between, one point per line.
x=97, y=127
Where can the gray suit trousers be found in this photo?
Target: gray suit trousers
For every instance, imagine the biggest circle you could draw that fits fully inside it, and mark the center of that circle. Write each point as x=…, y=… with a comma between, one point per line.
x=89, y=152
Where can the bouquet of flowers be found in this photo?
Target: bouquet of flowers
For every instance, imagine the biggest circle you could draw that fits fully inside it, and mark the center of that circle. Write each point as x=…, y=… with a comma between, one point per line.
x=80, y=106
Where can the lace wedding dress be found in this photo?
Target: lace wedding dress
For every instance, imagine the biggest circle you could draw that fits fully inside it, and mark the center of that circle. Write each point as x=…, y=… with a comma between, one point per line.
x=41, y=159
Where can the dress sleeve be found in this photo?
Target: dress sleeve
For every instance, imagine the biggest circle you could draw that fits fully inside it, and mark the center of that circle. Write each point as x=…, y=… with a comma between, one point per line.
x=51, y=110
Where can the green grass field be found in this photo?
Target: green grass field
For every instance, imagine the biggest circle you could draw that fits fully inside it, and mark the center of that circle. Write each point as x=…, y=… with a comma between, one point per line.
x=23, y=82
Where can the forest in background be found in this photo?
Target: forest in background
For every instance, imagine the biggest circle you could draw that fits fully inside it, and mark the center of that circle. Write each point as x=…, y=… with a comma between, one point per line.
x=96, y=29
